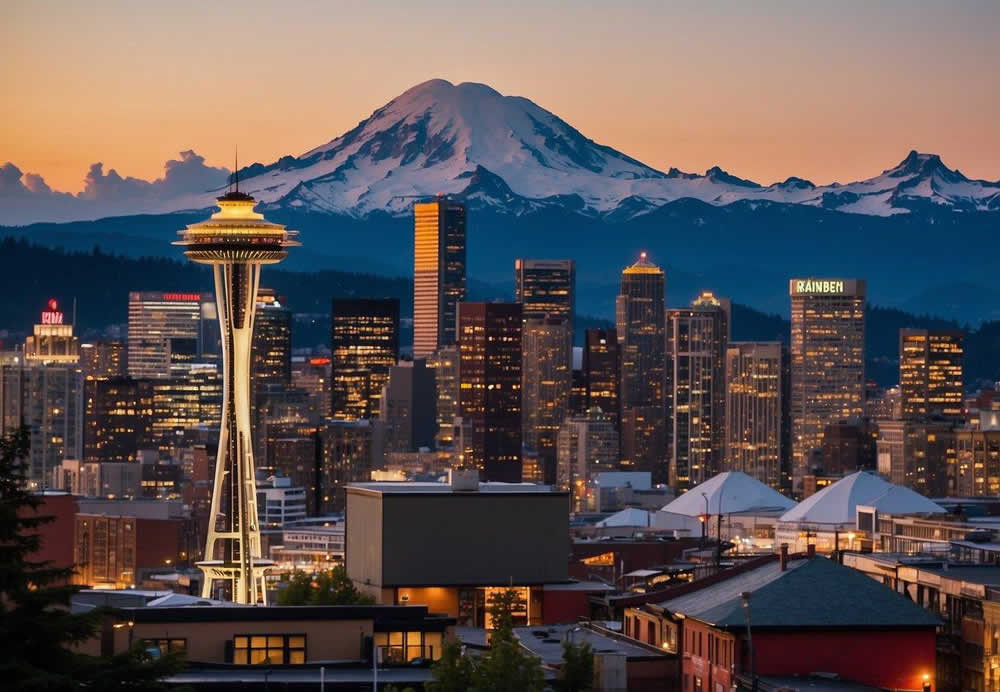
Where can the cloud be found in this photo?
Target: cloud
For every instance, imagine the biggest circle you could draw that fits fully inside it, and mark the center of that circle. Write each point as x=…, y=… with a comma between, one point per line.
x=186, y=182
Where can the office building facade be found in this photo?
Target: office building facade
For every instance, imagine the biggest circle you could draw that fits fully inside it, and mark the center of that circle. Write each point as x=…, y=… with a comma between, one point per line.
x=697, y=338
x=640, y=323
x=587, y=445
x=438, y=273
x=827, y=362
x=489, y=342
x=445, y=361
x=546, y=379
x=601, y=372
x=546, y=289
x=102, y=360
x=930, y=374
x=409, y=407
x=271, y=355
x=757, y=411
x=119, y=419
x=167, y=331
x=364, y=346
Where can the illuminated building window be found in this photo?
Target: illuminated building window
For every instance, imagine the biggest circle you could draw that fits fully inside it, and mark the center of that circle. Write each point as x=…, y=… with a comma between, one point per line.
x=269, y=649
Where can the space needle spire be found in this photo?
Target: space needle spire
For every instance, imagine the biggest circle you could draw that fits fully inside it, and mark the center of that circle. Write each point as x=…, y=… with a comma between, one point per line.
x=237, y=242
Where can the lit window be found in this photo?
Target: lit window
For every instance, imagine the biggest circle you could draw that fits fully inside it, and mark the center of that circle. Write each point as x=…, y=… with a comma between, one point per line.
x=269, y=649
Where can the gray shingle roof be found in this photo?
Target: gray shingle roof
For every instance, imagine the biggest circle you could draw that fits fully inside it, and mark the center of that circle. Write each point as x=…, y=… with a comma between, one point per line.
x=818, y=593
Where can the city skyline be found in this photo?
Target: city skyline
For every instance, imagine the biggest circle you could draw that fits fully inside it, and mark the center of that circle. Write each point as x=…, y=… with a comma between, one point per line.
x=860, y=98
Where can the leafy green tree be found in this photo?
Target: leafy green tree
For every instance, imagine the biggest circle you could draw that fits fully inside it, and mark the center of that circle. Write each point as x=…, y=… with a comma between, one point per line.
x=507, y=667
x=453, y=672
x=577, y=672
x=327, y=587
x=38, y=631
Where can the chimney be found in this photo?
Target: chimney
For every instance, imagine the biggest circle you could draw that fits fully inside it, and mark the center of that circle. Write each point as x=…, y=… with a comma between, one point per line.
x=811, y=551
x=784, y=556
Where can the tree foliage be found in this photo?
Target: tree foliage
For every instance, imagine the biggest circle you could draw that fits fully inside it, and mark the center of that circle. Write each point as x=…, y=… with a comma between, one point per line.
x=327, y=587
x=577, y=671
x=505, y=667
x=38, y=631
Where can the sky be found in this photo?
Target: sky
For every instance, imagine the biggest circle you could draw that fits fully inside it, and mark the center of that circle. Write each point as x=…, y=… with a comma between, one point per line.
x=829, y=91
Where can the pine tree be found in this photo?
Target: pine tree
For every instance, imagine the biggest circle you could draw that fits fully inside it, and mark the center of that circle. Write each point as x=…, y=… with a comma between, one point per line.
x=506, y=667
x=577, y=672
x=38, y=631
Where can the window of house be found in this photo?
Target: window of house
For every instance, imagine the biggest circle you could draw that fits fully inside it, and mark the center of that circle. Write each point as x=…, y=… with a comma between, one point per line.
x=165, y=645
x=269, y=649
x=402, y=647
x=651, y=632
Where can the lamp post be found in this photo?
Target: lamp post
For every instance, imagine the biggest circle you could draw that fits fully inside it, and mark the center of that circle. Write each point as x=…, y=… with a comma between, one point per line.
x=753, y=659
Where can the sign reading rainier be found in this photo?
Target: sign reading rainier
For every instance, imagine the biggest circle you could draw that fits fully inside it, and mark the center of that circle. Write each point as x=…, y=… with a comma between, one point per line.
x=826, y=287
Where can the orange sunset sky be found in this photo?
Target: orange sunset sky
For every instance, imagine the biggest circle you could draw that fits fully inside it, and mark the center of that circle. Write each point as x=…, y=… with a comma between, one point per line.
x=824, y=90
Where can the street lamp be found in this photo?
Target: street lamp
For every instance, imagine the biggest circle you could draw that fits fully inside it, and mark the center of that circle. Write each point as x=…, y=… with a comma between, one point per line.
x=745, y=596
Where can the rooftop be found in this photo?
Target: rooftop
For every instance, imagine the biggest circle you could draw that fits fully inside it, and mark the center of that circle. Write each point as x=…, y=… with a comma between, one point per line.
x=732, y=492
x=425, y=488
x=811, y=593
x=546, y=642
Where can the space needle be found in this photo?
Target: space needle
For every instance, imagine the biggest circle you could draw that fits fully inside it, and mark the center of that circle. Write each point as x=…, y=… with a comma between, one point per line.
x=237, y=242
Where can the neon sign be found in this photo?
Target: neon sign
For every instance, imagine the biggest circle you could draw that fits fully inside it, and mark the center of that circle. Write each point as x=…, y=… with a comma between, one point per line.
x=819, y=286
x=52, y=315
x=182, y=296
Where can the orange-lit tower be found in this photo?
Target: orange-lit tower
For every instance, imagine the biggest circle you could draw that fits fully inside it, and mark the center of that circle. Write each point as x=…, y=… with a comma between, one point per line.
x=236, y=241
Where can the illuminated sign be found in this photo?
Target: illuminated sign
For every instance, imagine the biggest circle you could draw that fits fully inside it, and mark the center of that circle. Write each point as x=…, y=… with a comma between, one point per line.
x=818, y=286
x=182, y=296
x=52, y=315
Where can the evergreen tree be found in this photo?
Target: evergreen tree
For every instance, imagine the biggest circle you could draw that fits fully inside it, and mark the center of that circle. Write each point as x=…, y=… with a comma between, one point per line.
x=38, y=631
x=577, y=672
x=327, y=587
x=506, y=667
x=453, y=672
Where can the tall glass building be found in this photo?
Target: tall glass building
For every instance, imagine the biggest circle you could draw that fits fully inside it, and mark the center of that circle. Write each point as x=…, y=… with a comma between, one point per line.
x=827, y=363
x=546, y=289
x=364, y=346
x=438, y=273
x=167, y=331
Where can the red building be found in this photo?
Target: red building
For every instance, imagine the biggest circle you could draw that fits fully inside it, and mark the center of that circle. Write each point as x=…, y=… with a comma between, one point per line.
x=111, y=550
x=807, y=615
x=56, y=535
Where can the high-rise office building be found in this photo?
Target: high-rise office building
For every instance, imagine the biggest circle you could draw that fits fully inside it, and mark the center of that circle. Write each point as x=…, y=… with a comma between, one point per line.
x=697, y=338
x=921, y=455
x=602, y=372
x=639, y=316
x=409, y=407
x=930, y=374
x=546, y=288
x=587, y=445
x=438, y=273
x=102, y=360
x=489, y=342
x=365, y=344
x=757, y=411
x=119, y=419
x=977, y=471
x=271, y=356
x=48, y=398
x=445, y=364
x=350, y=451
x=827, y=362
x=167, y=332
x=312, y=375
x=52, y=340
x=546, y=378
x=183, y=403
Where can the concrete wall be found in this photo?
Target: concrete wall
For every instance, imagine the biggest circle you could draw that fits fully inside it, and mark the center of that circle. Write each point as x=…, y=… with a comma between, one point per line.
x=363, y=539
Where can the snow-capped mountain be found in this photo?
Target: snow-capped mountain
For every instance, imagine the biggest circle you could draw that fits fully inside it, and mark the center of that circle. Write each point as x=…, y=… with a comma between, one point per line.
x=501, y=152
x=507, y=152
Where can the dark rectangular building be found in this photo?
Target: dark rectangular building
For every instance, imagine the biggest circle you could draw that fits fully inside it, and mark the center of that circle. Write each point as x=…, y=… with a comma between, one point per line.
x=364, y=345
x=489, y=342
x=602, y=372
x=546, y=289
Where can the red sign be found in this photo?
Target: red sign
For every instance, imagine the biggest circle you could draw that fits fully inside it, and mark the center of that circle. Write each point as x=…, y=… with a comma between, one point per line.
x=52, y=315
x=182, y=296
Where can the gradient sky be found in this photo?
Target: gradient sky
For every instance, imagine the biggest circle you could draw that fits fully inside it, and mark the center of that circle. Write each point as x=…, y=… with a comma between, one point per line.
x=824, y=90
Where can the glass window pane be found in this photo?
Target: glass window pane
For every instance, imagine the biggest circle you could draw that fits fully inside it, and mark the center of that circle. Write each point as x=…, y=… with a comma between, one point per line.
x=276, y=642
x=297, y=642
x=240, y=657
x=240, y=642
x=177, y=644
x=258, y=656
x=381, y=638
x=296, y=656
x=258, y=642
x=414, y=638
x=413, y=652
x=395, y=638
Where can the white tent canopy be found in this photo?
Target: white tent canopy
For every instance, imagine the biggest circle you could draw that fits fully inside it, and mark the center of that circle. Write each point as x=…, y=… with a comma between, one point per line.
x=661, y=520
x=837, y=503
x=732, y=492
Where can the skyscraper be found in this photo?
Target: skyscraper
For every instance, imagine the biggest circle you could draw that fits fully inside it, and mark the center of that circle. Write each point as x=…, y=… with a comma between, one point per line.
x=445, y=364
x=438, y=273
x=236, y=242
x=271, y=359
x=602, y=372
x=52, y=340
x=757, y=411
x=489, y=342
x=119, y=419
x=639, y=316
x=102, y=360
x=546, y=378
x=546, y=288
x=827, y=362
x=697, y=338
x=167, y=332
x=930, y=374
x=587, y=445
x=409, y=407
x=364, y=345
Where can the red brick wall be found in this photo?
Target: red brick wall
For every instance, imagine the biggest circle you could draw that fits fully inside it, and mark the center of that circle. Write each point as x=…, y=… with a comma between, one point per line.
x=156, y=541
x=57, y=535
x=564, y=606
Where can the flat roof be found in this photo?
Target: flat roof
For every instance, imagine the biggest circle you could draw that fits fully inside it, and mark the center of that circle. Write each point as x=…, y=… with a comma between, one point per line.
x=428, y=488
x=988, y=575
x=546, y=642
x=381, y=614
